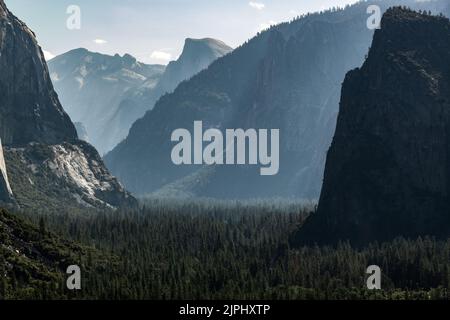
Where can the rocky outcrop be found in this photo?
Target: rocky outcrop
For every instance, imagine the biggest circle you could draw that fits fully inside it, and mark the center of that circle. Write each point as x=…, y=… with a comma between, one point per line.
x=67, y=175
x=29, y=107
x=388, y=168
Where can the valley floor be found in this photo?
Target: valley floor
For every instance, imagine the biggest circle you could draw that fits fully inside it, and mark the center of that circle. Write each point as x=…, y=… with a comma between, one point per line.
x=220, y=251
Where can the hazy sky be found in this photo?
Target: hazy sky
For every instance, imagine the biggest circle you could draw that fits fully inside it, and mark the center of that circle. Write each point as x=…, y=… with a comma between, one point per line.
x=154, y=30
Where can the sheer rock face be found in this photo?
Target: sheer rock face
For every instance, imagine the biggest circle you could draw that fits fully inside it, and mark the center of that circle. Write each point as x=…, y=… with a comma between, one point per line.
x=67, y=174
x=388, y=169
x=47, y=164
x=29, y=107
x=197, y=55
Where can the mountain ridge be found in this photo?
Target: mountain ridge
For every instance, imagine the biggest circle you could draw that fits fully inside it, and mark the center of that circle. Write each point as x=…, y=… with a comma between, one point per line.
x=197, y=55
x=284, y=78
x=80, y=77
x=130, y=87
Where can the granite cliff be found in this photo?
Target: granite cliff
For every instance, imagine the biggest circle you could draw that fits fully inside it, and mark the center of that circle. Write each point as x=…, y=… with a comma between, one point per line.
x=388, y=170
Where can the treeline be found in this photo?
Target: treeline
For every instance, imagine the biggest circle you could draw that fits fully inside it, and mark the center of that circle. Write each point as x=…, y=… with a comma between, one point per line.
x=241, y=251
x=33, y=261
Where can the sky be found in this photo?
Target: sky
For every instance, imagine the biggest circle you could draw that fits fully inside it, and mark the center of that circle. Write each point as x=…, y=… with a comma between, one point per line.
x=153, y=30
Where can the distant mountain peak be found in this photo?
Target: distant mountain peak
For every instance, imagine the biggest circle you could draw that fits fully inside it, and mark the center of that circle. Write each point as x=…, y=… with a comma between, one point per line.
x=91, y=86
x=78, y=51
x=129, y=58
x=197, y=55
x=194, y=47
x=206, y=41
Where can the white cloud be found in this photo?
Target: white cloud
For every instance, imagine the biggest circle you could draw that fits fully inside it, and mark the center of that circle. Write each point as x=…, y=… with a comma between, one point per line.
x=161, y=55
x=257, y=5
x=48, y=55
x=100, y=41
x=266, y=25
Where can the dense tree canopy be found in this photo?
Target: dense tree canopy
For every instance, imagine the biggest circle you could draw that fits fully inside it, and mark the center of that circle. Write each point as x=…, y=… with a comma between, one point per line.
x=222, y=251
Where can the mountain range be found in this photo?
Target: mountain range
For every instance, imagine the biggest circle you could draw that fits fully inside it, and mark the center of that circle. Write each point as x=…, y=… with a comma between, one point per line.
x=45, y=165
x=106, y=94
x=91, y=86
x=388, y=171
x=288, y=78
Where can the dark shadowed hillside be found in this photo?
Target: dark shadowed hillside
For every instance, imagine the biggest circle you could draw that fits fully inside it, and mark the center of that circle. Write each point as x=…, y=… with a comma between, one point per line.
x=388, y=168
